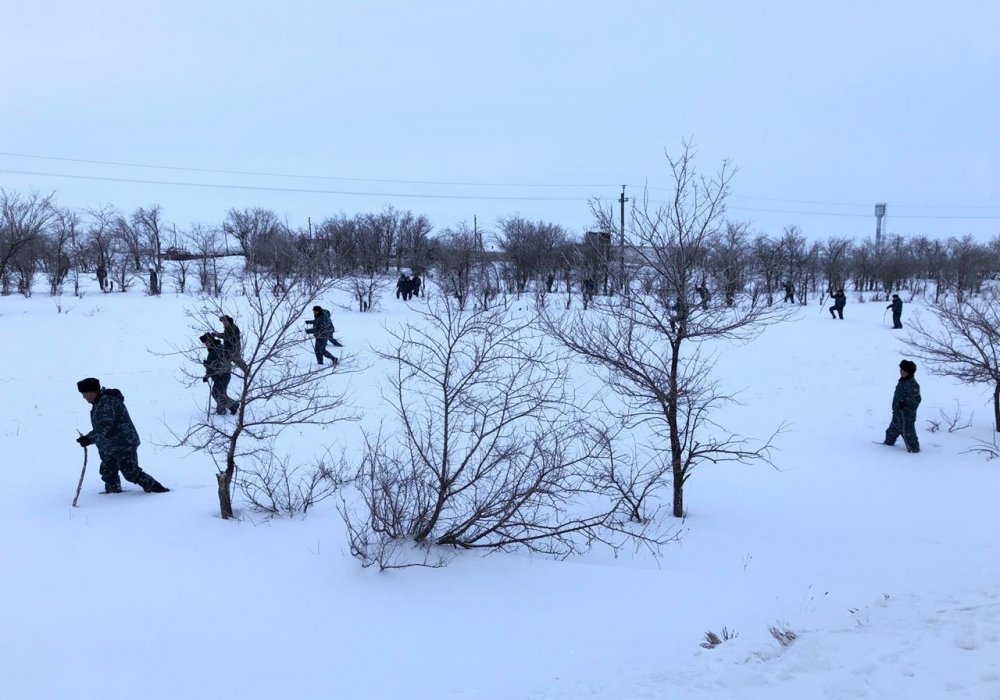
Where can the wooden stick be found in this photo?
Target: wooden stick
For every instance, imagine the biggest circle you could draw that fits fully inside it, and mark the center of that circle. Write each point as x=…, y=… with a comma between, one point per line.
x=80, y=485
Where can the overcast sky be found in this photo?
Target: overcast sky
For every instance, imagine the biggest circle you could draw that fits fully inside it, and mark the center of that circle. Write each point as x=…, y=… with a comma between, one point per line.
x=510, y=107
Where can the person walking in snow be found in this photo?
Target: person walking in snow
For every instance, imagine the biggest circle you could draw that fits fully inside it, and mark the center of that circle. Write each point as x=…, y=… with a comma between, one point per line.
x=897, y=311
x=403, y=287
x=839, y=302
x=116, y=438
x=218, y=369
x=905, y=400
x=321, y=328
x=231, y=341
x=415, y=283
x=789, y=291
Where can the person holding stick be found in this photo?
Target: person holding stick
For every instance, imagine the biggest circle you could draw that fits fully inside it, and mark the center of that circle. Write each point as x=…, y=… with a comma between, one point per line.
x=116, y=438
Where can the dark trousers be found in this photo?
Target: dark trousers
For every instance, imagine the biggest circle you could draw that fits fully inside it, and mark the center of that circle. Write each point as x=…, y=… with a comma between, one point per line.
x=322, y=352
x=128, y=465
x=839, y=310
x=903, y=423
x=897, y=319
x=220, y=384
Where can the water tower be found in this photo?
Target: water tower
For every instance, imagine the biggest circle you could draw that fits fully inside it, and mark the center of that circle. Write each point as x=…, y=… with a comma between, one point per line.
x=879, y=216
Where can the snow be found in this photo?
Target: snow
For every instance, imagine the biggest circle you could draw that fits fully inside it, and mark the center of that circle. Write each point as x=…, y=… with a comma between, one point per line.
x=884, y=564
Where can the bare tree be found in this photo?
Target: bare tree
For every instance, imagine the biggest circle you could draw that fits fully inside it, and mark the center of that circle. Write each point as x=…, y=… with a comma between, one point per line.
x=470, y=466
x=795, y=260
x=971, y=264
x=26, y=263
x=101, y=246
x=58, y=247
x=835, y=261
x=528, y=248
x=181, y=258
x=130, y=246
x=249, y=227
x=649, y=347
x=966, y=344
x=415, y=250
x=460, y=257
x=767, y=259
x=729, y=260
x=280, y=387
x=23, y=221
x=366, y=288
x=207, y=245
x=148, y=225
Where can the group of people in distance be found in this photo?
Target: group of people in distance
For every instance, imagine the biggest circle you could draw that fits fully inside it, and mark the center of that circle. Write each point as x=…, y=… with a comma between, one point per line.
x=408, y=287
x=113, y=432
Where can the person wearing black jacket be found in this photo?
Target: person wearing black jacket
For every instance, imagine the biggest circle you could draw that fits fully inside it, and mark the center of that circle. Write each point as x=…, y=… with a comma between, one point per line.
x=897, y=311
x=839, y=302
x=905, y=400
x=232, y=342
x=218, y=370
x=116, y=438
x=321, y=328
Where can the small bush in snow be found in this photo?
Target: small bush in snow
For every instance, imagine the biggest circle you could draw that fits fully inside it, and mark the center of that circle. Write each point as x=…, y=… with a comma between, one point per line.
x=782, y=633
x=713, y=640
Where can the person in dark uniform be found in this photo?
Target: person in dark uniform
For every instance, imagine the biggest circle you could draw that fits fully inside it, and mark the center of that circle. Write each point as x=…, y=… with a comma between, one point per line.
x=839, y=302
x=789, y=291
x=897, y=311
x=116, y=438
x=905, y=400
x=321, y=328
x=403, y=287
x=232, y=341
x=218, y=369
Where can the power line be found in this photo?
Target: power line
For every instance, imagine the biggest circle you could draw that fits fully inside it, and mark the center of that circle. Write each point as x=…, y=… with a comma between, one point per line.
x=460, y=183
x=860, y=216
x=410, y=195
x=295, y=190
x=297, y=176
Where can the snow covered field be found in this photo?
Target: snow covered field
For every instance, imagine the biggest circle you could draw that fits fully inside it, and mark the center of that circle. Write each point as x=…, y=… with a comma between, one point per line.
x=885, y=565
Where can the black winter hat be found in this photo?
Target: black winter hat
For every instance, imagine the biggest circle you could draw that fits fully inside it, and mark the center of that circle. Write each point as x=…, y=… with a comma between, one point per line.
x=88, y=384
x=908, y=366
x=317, y=309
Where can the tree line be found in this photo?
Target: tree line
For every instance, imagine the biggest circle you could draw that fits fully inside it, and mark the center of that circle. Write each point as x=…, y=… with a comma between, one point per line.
x=39, y=239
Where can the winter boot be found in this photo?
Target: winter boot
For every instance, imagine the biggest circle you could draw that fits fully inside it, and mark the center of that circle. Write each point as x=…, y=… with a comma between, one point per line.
x=112, y=488
x=155, y=487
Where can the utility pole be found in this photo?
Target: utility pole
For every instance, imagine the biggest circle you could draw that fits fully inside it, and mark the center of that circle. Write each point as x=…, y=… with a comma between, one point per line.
x=621, y=252
x=309, y=220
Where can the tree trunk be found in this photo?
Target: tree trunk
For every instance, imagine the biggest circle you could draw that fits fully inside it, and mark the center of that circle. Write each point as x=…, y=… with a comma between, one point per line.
x=225, y=500
x=996, y=408
x=678, y=474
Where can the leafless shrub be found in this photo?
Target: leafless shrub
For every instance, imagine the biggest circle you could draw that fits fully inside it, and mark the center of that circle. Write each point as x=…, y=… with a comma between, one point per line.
x=952, y=421
x=476, y=468
x=990, y=450
x=966, y=345
x=274, y=486
x=781, y=632
x=23, y=222
x=713, y=640
x=365, y=288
